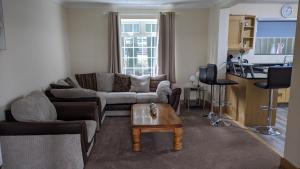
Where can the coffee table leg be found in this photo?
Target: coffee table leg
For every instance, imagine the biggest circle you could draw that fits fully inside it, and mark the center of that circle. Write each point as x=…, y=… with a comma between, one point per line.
x=136, y=139
x=178, y=139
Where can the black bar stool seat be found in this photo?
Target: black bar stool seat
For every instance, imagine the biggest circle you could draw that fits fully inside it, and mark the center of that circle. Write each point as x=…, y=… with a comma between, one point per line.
x=226, y=82
x=263, y=85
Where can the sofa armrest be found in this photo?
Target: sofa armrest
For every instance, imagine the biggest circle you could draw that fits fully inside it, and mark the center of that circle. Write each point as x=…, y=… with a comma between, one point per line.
x=47, y=128
x=42, y=128
x=174, y=98
x=70, y=111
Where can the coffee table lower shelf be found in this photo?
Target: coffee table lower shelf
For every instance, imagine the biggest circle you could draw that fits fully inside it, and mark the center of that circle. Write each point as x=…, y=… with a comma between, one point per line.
x=137, y=132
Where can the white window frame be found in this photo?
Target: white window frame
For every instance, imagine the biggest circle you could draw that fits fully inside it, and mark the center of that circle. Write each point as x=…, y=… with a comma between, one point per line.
x=150, y=19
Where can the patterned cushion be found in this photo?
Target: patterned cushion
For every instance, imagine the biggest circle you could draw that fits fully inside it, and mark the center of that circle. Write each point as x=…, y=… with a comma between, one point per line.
x=87, y=81
x=140, y=84
x=121, y=83
x=154, y=81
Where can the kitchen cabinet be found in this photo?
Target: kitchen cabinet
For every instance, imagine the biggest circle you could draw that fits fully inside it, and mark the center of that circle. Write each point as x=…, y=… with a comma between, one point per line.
x=241, y=32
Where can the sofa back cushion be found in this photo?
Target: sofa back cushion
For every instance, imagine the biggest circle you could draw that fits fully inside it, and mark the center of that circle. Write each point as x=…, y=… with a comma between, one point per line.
x=87, y=81
x=121, y=83
x=140, y=84
x=35, y=107
x=105, y=81
x=154, y=81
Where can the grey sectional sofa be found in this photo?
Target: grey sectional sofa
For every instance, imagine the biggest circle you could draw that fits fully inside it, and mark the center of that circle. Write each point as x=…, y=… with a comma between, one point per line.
x=118, y=102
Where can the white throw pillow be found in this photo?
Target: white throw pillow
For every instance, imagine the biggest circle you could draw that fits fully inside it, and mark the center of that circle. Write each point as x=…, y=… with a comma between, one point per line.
x=105, y=81
x=140, y=84
x=163, y=91
x=73, y=93
x=35, y=107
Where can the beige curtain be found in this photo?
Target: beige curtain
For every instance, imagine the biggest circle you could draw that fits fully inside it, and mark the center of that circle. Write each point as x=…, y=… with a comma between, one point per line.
x=114, y=43
x=166, y=51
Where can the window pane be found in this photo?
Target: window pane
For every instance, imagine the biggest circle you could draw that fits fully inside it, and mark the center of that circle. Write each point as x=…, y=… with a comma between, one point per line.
x=128, y=41
x=138, y=72
x=137, y=52
x=128, y=52
x=122, y=42
x=136, y=28
x=127, y=27
x=154, y=27
x=129, y=71
x=154, y=41
x=148, y=27
x=148, y=41
x=137, y=41
x=129, y=62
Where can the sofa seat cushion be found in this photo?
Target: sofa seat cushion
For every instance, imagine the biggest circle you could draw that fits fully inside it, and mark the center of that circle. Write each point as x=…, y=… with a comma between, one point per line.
x=91, y=126
x=73, y=93
x=120, y=98
x=150, y=97
x=102, y=96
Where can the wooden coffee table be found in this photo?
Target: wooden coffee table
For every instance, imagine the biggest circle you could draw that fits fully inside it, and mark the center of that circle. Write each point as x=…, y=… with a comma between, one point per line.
x=165, y=121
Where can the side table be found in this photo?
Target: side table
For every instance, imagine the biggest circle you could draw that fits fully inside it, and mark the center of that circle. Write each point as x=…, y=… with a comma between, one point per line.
x=200, y=93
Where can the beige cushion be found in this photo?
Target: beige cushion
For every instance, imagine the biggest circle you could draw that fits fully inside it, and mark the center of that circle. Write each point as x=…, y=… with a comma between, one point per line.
x=140, y=84
x=120, y=98
x=105, y=81
x=91, y=126
x=147, y=98
x=35, y=107
x=73, y=93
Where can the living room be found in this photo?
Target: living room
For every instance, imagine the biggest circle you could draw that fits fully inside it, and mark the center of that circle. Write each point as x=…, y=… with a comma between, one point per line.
x=95, y=43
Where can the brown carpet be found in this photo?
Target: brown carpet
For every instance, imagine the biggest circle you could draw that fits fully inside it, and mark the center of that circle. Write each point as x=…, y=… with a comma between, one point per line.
x=205, y=147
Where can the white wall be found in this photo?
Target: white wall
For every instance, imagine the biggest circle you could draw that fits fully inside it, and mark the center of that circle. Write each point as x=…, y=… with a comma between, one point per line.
x=263, y=11
x=292, y=143
x=36, y=48
x=89, y=41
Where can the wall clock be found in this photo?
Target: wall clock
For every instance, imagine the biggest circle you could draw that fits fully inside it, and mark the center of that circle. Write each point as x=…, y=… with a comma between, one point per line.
x=286, y=11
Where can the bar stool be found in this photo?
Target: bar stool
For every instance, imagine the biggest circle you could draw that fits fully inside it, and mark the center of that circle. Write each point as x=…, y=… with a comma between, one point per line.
x=278, y=78
x=203, y=74
x=212, y=76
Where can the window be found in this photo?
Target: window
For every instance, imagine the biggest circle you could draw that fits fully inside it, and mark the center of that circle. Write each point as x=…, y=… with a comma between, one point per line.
x=139, y=46
x=275, y=37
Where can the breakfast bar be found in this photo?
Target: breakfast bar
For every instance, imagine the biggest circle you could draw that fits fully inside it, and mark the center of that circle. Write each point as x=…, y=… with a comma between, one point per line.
x=246, y=99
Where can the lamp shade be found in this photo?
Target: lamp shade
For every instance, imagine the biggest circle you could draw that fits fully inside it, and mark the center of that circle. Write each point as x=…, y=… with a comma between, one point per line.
x=192, y=78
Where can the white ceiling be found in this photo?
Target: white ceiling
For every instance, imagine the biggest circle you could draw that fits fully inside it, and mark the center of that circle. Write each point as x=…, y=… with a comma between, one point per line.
x=186, y=3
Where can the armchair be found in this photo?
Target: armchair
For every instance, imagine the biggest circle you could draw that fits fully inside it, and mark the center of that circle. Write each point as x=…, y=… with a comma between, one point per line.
x=65, y=143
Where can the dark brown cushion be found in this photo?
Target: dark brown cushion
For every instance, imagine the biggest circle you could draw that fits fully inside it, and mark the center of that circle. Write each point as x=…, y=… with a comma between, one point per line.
x=57, y=86
x=121, y=83
x=87, y=81
x=155, y=80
